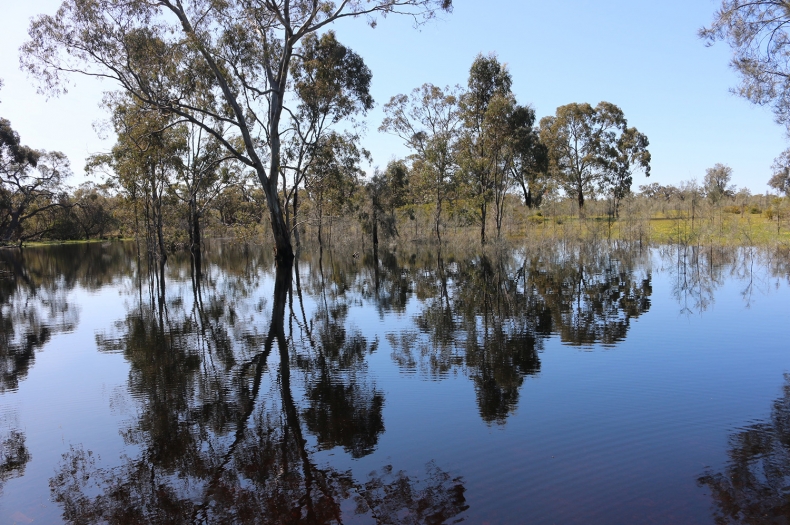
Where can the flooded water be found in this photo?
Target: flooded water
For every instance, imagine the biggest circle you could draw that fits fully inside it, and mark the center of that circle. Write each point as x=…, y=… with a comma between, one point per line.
x=561, y=384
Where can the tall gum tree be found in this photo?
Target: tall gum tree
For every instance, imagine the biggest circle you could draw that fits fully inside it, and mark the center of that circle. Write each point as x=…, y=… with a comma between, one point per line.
x=332, y=83
x=478, y=148
x=427, y=120
x=593, y=148
x=234, y=56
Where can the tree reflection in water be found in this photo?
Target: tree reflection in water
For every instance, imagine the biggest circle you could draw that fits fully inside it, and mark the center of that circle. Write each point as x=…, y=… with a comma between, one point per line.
x=488, y=316
x=34, y=286
x=14, y=455
x=221, y=431
x=753, y=488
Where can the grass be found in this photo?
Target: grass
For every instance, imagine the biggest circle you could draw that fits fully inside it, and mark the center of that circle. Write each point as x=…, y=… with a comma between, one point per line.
x=34, y=244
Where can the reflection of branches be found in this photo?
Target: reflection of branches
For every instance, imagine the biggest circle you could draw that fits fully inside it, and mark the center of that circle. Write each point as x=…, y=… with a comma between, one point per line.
x=227, y=443
x=31, y=312
x=779, y=262
x=752, y=489
x=699, y=271
x=696, y=278
x=14, y=456
x=489, y=315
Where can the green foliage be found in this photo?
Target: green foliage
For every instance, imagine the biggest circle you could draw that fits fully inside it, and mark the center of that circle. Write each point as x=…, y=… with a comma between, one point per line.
x=593, y=149
x=717, y=183
x=31, y=187
x=757, y=33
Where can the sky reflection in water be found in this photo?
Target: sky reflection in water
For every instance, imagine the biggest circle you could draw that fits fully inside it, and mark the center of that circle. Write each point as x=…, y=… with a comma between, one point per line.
x=570, y=384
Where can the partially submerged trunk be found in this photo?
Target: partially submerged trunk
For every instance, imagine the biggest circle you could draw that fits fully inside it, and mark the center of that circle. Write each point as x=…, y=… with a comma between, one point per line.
x=283, y=251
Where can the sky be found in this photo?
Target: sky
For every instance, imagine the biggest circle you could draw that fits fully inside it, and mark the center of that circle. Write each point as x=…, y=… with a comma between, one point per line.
x=643, y=56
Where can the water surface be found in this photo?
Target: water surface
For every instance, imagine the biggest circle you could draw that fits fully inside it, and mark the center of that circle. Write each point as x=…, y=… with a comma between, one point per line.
x=560, y=384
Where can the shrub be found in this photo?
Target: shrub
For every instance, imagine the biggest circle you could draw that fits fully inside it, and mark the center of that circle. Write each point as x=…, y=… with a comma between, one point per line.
x=732, y=209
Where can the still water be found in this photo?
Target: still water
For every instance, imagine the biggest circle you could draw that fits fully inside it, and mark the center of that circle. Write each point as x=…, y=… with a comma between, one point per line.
x=555, y=384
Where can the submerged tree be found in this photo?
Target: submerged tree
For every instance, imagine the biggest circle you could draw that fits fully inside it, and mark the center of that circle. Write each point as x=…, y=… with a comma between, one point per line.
x=235, y=57
x=332, y=83
x=143, y=164
x=333, y=178
x=386, y=191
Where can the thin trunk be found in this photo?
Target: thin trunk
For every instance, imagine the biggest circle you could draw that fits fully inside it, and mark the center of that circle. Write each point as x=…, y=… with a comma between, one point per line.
x=375, y=229
x=159, y=226
x=296, y=219
x=438, y=220
x=320, y=225
x=483, y=210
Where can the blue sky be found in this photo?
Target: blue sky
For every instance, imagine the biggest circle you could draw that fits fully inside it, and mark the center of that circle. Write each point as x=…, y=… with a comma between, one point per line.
x=643, y=56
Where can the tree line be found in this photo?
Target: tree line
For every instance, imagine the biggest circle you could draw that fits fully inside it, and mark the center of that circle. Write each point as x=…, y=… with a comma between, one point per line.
x=226, y=111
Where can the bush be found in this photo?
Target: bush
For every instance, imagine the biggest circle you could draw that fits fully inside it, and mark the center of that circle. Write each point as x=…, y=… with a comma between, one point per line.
x=536, y=219
x=733, y=209
x=754, y=210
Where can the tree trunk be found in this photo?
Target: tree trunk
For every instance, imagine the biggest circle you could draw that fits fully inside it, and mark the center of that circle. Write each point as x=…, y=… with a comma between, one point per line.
x=375, y=230
x=438, y=220
x=9, y=231
x=283, y=251
x=483, y=210
x=159, y=227
x=320, y=210
x=194, y=227
x=296, y=218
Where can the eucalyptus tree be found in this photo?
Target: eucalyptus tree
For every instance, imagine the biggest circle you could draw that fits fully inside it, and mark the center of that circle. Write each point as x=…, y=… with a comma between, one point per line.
x=530, y=163
x=780, y=180
x=428, y=121
x=203, y=171
x=31, y=183
x=592, y=148
x=334, y=178
x=386, y=191
x=234, y=56
x=332, y=83
x=498, y=127
x=478, y=147
x=757, y=32
x=717, y=183
x=143, y=163
x=629, y=154
x=92, y=209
